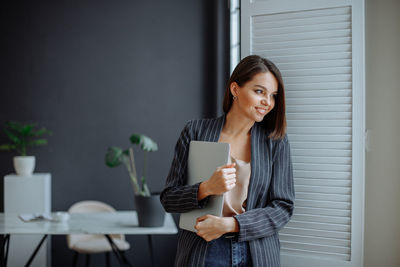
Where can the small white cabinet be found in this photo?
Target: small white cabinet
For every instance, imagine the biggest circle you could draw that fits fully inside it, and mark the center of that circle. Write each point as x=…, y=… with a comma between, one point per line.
x=27, y=194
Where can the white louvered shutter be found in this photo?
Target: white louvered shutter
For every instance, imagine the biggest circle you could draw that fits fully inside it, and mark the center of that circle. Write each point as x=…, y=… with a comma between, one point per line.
x=318, y=46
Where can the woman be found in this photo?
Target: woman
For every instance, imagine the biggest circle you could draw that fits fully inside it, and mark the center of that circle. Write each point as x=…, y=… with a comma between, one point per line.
x=257, y=185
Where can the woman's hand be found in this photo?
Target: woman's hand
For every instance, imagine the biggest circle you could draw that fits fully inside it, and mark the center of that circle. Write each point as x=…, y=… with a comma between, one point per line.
x=222, y=180
x=211, y=227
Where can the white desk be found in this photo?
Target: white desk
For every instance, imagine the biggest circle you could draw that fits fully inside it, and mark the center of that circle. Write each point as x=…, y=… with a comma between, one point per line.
x=121, y=222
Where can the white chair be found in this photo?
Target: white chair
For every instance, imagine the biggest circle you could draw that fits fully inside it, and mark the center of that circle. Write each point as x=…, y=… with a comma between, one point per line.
x=91, y=244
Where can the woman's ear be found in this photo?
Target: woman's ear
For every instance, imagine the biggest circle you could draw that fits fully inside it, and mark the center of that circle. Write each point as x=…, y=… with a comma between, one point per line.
x=234, y=87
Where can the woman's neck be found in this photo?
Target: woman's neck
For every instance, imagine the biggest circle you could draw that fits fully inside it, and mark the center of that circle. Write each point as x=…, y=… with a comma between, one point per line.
x=236, y=124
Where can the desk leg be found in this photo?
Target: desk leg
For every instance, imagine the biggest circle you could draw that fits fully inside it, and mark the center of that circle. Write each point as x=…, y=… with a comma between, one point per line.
x=118, y=253
x=4, y=255
x=153, y=263
x=36, y=251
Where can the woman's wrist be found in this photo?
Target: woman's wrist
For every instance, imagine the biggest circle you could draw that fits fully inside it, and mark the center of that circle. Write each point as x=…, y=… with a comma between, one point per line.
x=231, y=225
x=203, y=191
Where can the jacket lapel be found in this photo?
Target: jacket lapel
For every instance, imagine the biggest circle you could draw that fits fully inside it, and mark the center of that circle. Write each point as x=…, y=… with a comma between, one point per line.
x=214, y=129
x=259, y=166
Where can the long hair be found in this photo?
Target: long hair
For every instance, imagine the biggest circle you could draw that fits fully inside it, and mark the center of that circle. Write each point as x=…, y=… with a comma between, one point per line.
x=275, y=120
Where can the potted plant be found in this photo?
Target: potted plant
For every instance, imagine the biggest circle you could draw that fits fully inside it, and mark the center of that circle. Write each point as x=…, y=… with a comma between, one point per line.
x=21, y=137
x=148, y=206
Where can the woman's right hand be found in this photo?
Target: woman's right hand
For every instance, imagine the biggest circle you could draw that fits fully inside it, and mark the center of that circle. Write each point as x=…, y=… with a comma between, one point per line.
x=222, y=180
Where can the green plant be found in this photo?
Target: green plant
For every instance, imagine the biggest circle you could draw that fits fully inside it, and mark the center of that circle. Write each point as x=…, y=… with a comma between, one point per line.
x=116, y=156
x=23, y=136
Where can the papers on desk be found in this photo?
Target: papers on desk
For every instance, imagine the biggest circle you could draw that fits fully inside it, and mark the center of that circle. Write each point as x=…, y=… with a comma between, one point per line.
x=56, y=217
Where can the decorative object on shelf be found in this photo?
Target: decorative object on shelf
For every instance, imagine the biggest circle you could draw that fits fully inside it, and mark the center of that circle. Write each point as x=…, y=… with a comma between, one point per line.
x=23, y=136
x=149, y=209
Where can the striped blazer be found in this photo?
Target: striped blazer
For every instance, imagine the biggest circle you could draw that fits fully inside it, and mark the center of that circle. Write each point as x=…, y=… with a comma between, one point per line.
x=270, y=198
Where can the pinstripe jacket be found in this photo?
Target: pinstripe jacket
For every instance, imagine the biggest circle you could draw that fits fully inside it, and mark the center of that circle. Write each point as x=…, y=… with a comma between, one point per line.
x=270, y=198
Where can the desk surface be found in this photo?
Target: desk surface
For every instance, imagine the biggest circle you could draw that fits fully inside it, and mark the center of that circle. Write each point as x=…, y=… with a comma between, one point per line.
x=120, y=222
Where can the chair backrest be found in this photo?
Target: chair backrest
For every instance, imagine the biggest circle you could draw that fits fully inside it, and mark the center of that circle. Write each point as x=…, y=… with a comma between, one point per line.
x=89, y=206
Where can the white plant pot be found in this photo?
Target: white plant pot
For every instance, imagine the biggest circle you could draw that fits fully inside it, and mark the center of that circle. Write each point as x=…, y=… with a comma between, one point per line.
x=24, y=165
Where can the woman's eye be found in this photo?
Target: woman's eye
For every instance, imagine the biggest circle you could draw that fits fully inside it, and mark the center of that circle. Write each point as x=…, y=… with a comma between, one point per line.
x=258, y=91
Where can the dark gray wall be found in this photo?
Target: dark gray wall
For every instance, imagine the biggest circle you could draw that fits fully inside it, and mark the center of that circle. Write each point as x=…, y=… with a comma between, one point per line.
x=94, y=72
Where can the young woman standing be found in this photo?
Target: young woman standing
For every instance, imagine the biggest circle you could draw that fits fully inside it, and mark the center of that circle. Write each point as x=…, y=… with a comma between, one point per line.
x=257, y=184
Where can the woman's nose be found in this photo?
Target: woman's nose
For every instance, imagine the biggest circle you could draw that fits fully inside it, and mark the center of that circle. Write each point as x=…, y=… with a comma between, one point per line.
x=266, y=101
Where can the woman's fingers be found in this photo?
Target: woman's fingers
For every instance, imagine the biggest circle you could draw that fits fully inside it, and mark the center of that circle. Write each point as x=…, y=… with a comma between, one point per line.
x=230, y=176
x=227, y=166
x=201, y=218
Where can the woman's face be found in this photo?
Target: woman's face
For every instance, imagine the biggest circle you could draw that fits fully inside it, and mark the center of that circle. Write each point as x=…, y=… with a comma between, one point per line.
x=256, y=98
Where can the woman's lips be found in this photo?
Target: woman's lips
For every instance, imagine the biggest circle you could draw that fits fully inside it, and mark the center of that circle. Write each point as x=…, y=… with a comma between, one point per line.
x=262, y=111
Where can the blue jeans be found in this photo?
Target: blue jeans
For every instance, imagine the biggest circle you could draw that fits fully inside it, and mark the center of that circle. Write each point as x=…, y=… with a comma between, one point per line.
x=228, y=252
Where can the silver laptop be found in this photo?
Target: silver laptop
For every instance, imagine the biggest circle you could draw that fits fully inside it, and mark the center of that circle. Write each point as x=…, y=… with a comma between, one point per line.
x=203, y=160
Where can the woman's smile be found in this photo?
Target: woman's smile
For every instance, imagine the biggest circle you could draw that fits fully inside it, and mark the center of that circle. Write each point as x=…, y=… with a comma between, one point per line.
x=261, y=111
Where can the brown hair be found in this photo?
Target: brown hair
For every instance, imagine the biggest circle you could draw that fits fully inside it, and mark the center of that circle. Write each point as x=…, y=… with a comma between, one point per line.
x=275, y=120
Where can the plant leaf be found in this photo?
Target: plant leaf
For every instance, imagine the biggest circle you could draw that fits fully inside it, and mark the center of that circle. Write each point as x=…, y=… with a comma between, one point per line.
x=15, y=126
x=40, y=132
x=146, y=143
x=7, y=147
x=37, y=142
x=27, y=128
x=12, y=136
x=114, y=157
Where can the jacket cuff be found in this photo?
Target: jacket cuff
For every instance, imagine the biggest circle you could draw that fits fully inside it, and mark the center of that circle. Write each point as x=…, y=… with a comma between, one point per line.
x=200, y=203
x=242, y=220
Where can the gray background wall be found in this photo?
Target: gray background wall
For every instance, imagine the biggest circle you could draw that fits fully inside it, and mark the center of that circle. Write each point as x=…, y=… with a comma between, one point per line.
x=94, y=72
x=382, y=181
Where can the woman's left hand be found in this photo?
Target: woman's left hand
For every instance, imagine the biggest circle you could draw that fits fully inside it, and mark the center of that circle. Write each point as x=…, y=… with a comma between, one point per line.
x=211, y=227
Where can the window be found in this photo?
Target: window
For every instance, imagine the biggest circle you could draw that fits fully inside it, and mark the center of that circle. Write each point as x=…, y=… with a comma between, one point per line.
x=319, y=48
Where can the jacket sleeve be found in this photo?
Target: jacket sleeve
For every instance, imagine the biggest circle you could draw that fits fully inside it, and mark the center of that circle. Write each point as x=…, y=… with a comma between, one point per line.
x=177, y=196
x=262, y=222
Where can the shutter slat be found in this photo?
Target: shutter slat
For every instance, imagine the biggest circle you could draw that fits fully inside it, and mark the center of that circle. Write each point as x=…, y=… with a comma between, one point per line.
x=324, y=197
x=317, y=13
x=324, y=167
x=316, y=116
x=296, y=94
x=318, y=79
x=319, y=108
x=321, y=219
x=310, y=239
x=300, y=21
x=269, y=47
x=321, y=153
x=319, y=226
x=319, y=123
x=285, y=30
x=324, y=189
x=321, y=145
x=303, y=253
x=310, y=210
x=316, y=71
x=318, y=247
x=323, y=204
x=320, y=101
x=316, y=57
x=316, y=233
x=322, y=174
x=319, y=138
x=319, y=130
x=318, y=86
